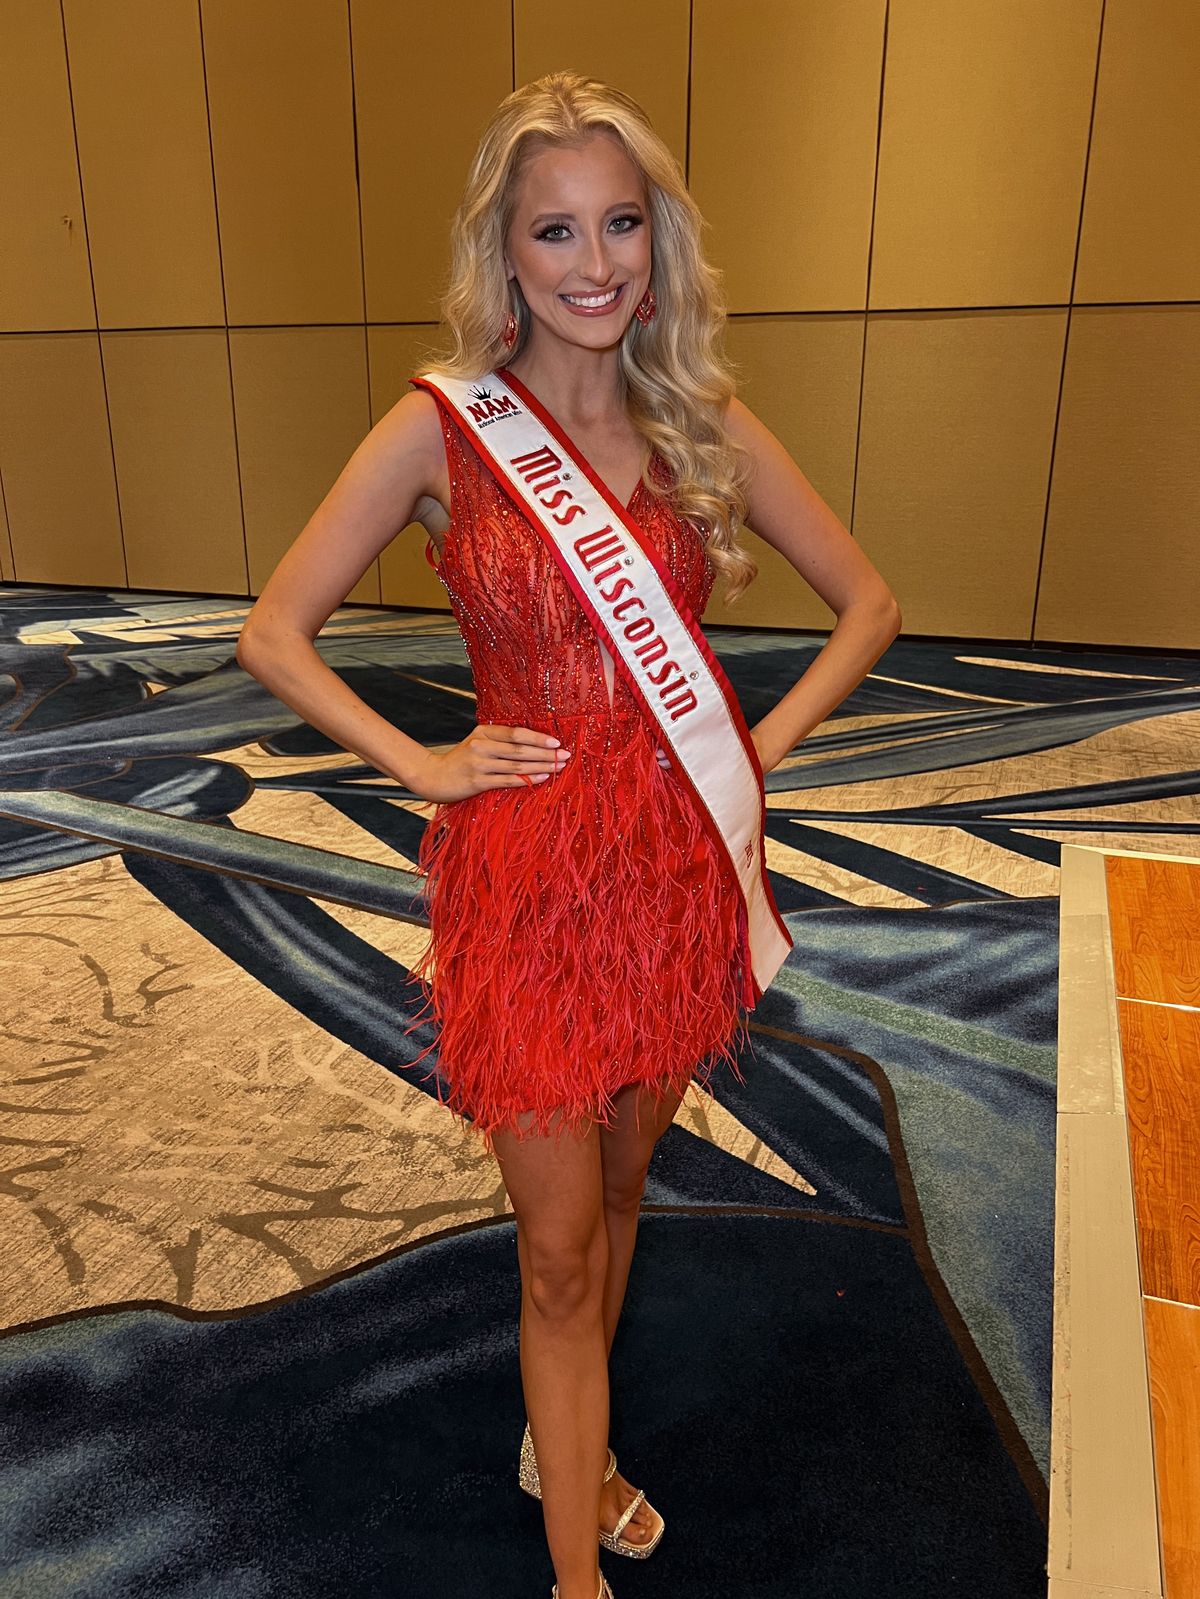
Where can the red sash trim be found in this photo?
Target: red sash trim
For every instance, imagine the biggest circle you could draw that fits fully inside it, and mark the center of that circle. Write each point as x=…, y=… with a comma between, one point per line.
x=736, y=715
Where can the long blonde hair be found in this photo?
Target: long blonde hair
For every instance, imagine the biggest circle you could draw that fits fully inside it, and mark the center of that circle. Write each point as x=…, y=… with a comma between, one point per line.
x=676, y=379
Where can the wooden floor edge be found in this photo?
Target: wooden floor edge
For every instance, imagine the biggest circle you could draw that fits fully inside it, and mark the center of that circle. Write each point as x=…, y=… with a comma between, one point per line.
x=1064, y=1588
x=1104, y=1524
x=1142, y=854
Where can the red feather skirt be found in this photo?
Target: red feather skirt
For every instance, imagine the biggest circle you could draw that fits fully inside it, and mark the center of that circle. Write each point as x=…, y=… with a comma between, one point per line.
x=587, y=932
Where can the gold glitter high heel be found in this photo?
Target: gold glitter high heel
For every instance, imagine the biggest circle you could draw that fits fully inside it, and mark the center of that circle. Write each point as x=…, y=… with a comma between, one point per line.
x=528, y=1478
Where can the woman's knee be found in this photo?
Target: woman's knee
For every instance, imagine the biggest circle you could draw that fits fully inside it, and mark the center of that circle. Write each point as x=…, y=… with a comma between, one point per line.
x=564, y=1275
x=624, y=1185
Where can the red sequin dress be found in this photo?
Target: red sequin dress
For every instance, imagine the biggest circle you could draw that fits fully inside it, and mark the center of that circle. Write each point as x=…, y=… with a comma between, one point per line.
x=586, y=933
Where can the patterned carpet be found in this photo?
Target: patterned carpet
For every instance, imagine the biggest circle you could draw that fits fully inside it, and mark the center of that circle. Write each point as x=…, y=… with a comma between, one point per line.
x=260, y=1292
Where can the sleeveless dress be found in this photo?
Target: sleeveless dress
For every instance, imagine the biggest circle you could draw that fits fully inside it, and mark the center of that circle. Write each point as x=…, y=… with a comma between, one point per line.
x=586, y=932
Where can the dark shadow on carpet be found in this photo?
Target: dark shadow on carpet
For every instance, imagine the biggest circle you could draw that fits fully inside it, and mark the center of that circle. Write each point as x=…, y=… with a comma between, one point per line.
x=361, y=1440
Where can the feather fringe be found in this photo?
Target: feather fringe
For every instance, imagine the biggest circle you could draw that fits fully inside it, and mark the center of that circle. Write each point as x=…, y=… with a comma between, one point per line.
x=586, y=934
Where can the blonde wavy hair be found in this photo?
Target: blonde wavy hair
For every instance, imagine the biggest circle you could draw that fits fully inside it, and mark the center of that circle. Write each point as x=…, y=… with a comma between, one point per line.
x=676, y=379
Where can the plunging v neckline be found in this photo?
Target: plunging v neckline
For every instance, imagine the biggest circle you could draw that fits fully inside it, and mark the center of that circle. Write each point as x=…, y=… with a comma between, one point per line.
x=565, y=439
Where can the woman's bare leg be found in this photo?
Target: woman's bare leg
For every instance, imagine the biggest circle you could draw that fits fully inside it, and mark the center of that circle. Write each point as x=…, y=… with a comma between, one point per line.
x=625, y=1151
x=555, y=1186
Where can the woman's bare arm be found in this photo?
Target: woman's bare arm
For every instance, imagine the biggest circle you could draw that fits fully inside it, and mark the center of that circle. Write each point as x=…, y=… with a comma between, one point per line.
x=388, y=481
x=786, y=511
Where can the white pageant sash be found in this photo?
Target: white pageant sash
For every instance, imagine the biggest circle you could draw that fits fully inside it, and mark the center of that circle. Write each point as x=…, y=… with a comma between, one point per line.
x=636, y=606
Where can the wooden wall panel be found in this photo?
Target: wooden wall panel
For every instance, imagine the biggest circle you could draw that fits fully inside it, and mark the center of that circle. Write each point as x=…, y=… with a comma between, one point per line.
x=273, y=165
x=7, y=571
x=406, y=577
x=1141, y=215
x=45, y=279
x=280, y=102
x=1122, y=559
x=413, y=155
x=801, y=376
x=983, y=145
x=300, y=400
x=954, y=458
x=171, y=406
x=58, y=467
x=146, y=164
x=639, y=48
x=784, y=121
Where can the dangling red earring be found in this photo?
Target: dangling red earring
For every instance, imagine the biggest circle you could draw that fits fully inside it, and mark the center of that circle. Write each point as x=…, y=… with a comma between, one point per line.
x=647, y=307
x=509, y=331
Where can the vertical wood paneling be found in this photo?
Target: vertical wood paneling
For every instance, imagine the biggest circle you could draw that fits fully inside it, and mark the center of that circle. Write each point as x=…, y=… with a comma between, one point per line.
x=406, y=577
x=785, y=113
x=638, y=48
x=1141, y=215
x=172, y=422
x=280, y=101
x=415, y=145
x=801, y=376
x=945, y=147
x=146, y=164
x=300, y=399
x=1122, y=559
x=982, y=151
x=45, y=279
x=58, y=465
x=954, y=457
x=6, y=565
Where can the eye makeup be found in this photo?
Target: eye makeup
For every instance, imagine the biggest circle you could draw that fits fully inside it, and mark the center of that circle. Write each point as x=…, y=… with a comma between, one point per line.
x=629, y=216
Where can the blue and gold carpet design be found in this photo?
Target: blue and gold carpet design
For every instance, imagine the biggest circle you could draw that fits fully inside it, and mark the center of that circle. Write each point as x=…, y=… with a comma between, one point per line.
x=260, y=1293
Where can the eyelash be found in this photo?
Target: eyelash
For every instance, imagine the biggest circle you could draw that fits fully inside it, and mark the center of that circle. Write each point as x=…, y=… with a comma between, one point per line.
x=551, y=227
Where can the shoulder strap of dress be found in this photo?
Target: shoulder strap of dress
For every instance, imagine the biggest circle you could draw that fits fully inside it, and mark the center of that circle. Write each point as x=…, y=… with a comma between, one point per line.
x=450, y=413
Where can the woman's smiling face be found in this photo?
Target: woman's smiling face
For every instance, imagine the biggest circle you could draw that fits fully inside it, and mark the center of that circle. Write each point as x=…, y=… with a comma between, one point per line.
x=580, y=233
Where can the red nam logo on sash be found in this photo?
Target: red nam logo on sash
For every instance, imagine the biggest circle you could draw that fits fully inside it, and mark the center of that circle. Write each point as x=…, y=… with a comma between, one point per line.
x=485, y=408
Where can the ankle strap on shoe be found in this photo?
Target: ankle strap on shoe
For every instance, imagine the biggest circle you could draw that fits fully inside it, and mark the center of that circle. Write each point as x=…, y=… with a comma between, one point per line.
x=605, y=1591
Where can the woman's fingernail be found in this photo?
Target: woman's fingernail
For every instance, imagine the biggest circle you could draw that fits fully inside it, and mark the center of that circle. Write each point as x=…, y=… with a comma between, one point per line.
x=540, y=777
x=553, y=742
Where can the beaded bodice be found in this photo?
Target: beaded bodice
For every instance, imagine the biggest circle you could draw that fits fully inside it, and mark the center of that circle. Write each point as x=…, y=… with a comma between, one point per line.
x=533, y=651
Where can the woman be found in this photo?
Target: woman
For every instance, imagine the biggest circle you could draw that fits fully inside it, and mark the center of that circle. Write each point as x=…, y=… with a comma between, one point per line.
x=589, y=940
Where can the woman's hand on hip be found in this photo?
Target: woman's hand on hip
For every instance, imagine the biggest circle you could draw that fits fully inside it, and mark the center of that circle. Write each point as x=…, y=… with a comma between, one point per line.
x=491, y=756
